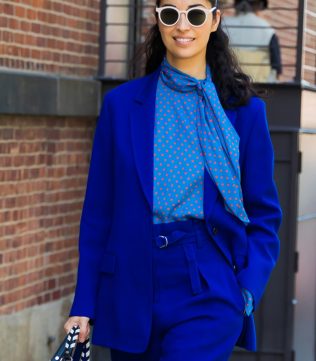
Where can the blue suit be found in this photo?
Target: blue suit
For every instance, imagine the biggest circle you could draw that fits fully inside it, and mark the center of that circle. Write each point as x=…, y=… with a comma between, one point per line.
x=114, y=285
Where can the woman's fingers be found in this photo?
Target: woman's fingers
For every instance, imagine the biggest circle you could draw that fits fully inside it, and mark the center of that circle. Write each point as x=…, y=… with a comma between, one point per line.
x=82, y=322
x=71, y=322
x=84, y=329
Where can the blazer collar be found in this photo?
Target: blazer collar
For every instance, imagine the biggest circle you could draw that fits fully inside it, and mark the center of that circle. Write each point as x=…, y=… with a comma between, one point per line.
x=147, y=87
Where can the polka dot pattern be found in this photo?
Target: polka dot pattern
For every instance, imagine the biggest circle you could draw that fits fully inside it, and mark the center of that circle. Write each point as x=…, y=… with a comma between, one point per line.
x=192, y=130
x=178, y=160
x=248, y=298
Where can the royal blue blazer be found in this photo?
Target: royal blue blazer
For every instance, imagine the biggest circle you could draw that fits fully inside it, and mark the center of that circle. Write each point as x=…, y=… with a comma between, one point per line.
x=114, y=282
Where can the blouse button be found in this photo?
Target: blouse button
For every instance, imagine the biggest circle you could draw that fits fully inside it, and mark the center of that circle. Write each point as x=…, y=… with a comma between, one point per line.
x=215, y=231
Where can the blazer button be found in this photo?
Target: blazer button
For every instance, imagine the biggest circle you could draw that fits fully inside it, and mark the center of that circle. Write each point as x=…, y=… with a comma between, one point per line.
x=215, y=231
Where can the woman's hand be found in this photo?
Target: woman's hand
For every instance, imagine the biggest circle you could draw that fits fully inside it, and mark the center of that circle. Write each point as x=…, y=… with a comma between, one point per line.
x=82, y=322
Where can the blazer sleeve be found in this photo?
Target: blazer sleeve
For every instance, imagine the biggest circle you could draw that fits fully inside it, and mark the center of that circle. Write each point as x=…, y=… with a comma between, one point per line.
x=96, y=215
x=261, y=203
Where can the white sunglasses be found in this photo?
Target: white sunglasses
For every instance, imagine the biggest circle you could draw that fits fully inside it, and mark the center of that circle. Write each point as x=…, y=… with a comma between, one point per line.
x=196, y=16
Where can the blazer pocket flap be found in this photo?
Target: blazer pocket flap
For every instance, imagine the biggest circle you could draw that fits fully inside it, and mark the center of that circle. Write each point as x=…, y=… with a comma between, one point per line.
x=108, y=263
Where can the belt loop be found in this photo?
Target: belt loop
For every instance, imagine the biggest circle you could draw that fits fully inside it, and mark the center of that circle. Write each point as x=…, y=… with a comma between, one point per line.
x=193, y=268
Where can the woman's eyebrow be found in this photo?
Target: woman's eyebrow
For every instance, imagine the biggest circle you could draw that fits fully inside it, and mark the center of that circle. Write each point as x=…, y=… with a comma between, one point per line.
x=192, y=6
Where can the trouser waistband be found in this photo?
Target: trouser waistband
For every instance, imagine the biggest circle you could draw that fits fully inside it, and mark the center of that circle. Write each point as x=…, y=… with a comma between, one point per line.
x=179, y=232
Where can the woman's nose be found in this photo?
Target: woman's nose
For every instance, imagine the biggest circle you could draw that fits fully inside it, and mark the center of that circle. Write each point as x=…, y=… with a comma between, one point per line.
x=183, y=23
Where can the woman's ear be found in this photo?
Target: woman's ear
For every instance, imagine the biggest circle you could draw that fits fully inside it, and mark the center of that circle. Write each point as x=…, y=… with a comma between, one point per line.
x=216, y=20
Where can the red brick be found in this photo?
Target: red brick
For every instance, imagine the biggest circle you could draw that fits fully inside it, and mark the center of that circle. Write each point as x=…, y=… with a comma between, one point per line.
x=3, y=21
x=56, y=295
x=36, y=28
x=20, y=11
x=8, y=9
x=58, y=7
x=31, y=14
x=67, y=291
x=25, y=26
x=67, y=280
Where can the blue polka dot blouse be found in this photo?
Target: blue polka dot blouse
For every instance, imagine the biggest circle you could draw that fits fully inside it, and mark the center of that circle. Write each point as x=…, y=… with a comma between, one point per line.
x=178, y=158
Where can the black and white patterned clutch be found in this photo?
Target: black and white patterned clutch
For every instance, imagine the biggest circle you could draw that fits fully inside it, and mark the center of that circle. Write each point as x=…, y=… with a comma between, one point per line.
x=71, y=350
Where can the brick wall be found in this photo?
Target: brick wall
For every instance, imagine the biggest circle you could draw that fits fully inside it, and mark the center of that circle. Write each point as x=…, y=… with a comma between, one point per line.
x=43, y=168
x=309, y=73
x=58, y=36
x=44, y=160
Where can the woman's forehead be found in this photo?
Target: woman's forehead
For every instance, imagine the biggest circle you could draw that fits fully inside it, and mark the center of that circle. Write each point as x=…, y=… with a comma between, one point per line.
x=185, y=3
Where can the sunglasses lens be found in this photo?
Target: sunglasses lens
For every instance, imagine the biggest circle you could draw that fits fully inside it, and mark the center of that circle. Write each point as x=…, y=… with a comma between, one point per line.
x=169, y=16
x=196, y=17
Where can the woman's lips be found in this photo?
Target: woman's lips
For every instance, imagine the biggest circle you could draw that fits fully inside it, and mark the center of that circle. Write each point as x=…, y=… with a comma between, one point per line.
x=183, y=41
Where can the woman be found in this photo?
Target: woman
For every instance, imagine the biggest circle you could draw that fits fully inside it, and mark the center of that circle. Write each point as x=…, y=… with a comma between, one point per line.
x=180, y=218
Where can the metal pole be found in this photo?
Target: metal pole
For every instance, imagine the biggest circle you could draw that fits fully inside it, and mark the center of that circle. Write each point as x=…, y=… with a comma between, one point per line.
x=300, y=41
x=102, y=38
x=131, y=38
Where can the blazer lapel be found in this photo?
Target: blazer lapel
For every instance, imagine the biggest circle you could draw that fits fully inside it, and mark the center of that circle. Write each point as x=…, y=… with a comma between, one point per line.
x=142, y=121
x=232, y=115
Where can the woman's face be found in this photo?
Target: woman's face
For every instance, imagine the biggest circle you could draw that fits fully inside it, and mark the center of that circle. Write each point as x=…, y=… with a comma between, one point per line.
x=183, y=41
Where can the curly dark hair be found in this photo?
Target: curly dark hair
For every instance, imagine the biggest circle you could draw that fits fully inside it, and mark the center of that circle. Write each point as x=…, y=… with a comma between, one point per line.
x=234, y=87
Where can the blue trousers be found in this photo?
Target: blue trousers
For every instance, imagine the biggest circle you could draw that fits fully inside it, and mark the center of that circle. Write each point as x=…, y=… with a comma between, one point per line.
x=198, y=305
